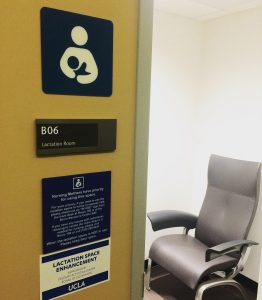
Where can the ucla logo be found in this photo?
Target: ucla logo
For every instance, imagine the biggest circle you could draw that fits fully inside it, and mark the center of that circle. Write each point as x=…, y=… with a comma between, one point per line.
x=76, y=286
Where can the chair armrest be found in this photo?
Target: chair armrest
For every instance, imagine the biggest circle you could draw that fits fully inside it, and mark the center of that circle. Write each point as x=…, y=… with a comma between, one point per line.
x=227, y=248
x=171, y=218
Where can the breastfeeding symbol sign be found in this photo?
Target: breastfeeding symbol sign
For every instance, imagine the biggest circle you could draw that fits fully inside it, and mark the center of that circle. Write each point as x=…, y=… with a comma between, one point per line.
x=77, y=54
x=78, y=183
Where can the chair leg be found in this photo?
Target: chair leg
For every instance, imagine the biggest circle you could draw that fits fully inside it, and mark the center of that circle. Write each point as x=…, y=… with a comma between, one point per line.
x=218, y=282
x=148, y=274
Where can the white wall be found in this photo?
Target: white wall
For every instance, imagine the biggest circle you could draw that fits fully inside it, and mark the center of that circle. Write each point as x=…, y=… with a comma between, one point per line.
x=207, y=89
x=175, y=69
x=229, y=109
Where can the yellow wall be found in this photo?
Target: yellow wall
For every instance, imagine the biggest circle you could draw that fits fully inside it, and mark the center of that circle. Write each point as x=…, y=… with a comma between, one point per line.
x=22, y=101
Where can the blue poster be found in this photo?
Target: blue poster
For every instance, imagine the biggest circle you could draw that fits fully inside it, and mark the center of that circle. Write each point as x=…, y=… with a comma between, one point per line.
x=76, y=210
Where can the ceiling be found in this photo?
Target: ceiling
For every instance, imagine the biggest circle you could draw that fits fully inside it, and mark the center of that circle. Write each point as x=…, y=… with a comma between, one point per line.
x=205, y=9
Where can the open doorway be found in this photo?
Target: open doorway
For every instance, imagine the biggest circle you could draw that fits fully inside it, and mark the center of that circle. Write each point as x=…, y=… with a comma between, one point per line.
x=205, y=98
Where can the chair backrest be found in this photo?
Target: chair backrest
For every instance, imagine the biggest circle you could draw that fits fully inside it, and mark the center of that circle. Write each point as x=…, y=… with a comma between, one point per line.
x=231, y=200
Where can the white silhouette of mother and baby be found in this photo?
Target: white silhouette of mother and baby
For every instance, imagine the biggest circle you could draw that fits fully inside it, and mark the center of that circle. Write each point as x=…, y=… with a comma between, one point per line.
x=77, y=60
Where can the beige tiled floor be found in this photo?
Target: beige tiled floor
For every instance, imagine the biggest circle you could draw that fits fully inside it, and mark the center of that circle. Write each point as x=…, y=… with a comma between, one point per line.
x=152, y=296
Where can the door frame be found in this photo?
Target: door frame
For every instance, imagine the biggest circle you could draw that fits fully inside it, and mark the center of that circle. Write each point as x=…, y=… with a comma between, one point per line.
x=145, y=29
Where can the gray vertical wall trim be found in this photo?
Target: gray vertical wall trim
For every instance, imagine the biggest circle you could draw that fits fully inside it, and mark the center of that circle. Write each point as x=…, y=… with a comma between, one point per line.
x=141, y=145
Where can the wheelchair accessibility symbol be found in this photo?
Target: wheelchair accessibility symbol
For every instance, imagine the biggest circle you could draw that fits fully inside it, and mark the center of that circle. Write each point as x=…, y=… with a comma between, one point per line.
x=77, y=60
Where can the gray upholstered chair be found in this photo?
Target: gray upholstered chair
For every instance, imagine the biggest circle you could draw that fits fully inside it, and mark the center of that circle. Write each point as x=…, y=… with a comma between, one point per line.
x=221, y=229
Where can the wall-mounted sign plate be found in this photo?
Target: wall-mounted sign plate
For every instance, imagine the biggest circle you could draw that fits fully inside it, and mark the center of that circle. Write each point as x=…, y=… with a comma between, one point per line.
x=63, y=136
x=69, y=271
x=76, y=210
x=77, y=53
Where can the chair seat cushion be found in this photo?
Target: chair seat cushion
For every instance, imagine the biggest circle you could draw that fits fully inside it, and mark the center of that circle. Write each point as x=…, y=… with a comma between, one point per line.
x=184, y=257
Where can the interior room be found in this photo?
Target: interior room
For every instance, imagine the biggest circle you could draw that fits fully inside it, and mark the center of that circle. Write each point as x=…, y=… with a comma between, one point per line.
x=205, y=99
x=75, y=167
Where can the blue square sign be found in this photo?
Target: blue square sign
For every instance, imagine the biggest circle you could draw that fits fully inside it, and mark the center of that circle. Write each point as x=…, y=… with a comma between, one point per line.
x=77, y=53
x=76, y=210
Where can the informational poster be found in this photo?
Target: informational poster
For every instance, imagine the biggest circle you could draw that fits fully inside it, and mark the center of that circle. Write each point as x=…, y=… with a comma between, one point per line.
x=76, y=210
x=75, y=269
